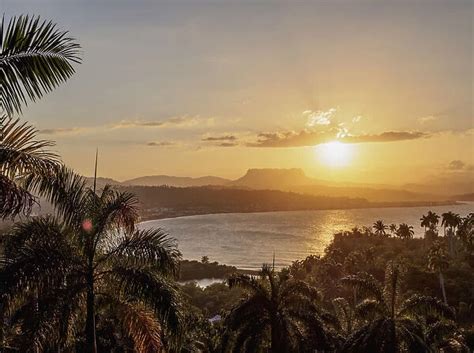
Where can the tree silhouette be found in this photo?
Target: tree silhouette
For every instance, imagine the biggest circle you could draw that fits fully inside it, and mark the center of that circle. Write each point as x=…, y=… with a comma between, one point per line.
x=438, y=261
x=86, y=257
x=450, y=221
x=35, y=57
x=392, y=324
x=393, y=229
x=405, y=231
x=380, y=228
x=280, y=313
x=22, y=156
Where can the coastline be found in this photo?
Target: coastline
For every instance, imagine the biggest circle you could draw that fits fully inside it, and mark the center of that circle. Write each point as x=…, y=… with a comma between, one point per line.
x=191, y=213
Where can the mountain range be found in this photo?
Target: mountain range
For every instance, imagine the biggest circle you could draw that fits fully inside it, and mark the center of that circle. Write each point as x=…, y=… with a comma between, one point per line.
x=296, y=180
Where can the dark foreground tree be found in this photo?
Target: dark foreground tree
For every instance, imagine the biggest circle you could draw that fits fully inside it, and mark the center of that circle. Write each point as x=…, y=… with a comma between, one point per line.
x=35, y=57
x=392, y=324
x=380, y=228
x=22, y=157
x=280, y=315
x=61, y=273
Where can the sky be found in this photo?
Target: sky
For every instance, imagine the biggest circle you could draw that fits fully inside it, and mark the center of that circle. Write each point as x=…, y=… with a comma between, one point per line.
x=195, y=88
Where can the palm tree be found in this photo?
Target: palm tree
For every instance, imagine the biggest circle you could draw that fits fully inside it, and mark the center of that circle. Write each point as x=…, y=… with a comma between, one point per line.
x=345, y=316
x=35, y=57
x=86, y=257
x=393, y=229
x=430, y=222
x=405, y=231
x=433, y=220
x=391, y=324
x=380, y=228
x=450, y=221
x=22, y=156
x=425, y=222
x=438, y=262
x=465, y=232
x=280, y=313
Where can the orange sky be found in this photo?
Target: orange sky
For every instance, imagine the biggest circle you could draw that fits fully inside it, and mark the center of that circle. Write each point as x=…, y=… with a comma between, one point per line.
x=205, y=88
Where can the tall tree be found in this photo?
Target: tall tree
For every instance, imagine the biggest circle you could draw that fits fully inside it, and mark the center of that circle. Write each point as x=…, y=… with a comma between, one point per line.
x=88, y=254
x=35, y=57
x=393, y=229
x=450, y=221
x=392, y=324
x=380, y=228
x=280, y=312
x=438, y=261
x=405, y=231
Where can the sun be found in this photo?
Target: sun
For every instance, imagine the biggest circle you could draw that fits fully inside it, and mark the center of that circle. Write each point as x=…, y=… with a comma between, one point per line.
x=334, y=153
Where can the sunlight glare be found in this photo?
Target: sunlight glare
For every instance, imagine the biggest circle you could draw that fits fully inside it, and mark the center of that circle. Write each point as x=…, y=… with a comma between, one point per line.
x=334, y=153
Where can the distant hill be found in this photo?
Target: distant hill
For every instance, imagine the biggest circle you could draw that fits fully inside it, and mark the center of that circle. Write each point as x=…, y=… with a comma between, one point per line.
x=463, y=197
x=295, y=180
x=159, y=180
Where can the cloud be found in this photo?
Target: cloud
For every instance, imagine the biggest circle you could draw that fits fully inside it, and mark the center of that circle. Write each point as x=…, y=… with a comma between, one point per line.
x=220, y=138
x=312, y=138
x=427, y=119
x=319, y=117
x=456, y=165
x=177, y=121
x=62, y=131
x=388, y=136
x=227, y=144
x=160, y=144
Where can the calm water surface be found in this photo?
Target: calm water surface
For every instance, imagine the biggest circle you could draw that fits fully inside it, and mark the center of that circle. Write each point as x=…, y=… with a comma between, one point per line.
x=246, y=240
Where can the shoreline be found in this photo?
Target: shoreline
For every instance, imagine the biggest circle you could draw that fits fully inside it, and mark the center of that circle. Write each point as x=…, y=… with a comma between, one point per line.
x=380, y=205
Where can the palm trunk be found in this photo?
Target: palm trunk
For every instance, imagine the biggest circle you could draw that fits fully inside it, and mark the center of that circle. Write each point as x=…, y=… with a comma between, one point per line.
x=276, y=343
x=2, y=327
x=450, y=239
x=91, y=344
x=443, y=290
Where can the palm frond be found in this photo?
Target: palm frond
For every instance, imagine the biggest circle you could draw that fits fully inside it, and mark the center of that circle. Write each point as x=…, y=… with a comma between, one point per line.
x=296, y=287
x=424, y=305
x=21, y=156
x=14, y=200
x=36, y=255
x=369, y=309
x=21, y=153
x=156, y=291
x=117, y=209
x=140, y=325
x=365, y=283
x=393, y=278
x=66, y=190
x=35, y=57
x=151, y=246
x=247, y=282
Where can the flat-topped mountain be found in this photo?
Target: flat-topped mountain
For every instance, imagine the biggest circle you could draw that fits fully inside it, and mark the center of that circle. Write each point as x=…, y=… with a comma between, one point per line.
x=273, y=179
x=296, y=180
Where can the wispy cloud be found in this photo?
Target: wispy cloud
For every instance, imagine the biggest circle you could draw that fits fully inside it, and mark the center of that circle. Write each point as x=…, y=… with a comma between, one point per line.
x=388, y=136
x=161, y=144
x=219, y=138
x=63, y=131
x=176, y=121
x=312, y=138
x=427, y=119
x=227, y=144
